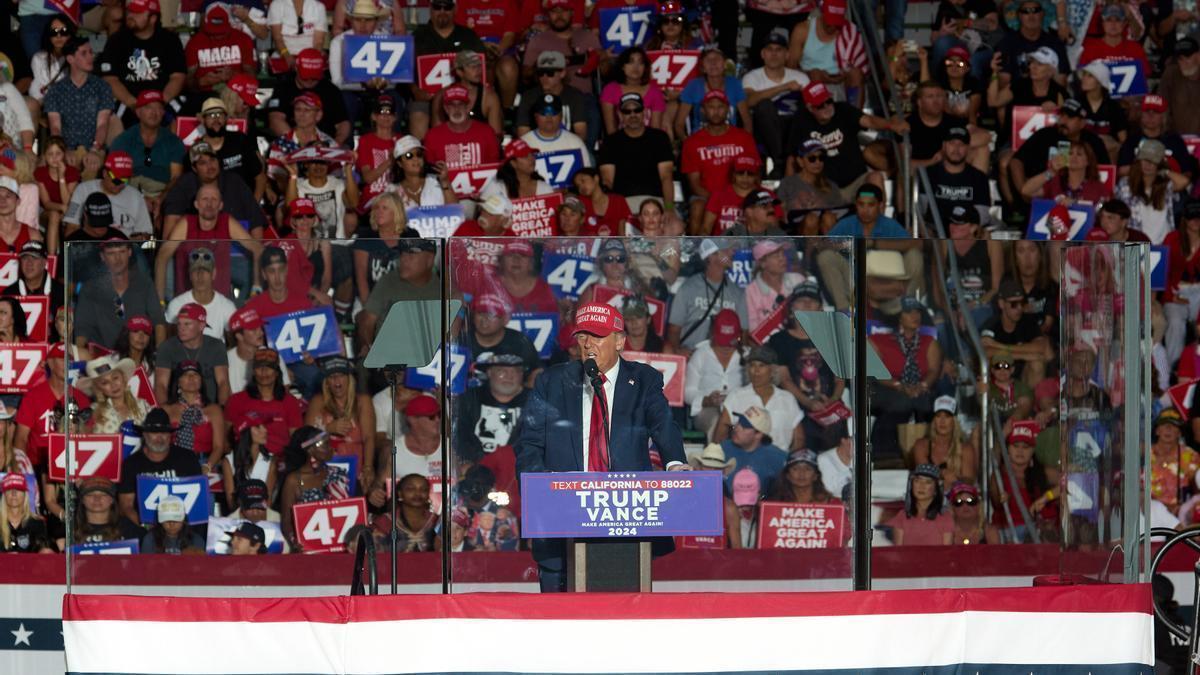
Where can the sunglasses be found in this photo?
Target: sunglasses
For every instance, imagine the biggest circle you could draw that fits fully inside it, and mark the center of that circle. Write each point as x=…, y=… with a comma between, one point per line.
x=548, y=72
x=613, y=259
x=965, y=501
x=958, y=63
x=675, y=19
x=816, y=157
x=59, y=32
x=745, y=173
x=414, y=154
x=119, y=307
x=1030, y=10
x=442, y=6
x=215, y=113
x=1002, y=366
x=632, y=111
x=112, y=177
x=200, y=255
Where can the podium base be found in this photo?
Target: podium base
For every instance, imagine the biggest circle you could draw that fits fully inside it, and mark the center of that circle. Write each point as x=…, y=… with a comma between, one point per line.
x=608, y=566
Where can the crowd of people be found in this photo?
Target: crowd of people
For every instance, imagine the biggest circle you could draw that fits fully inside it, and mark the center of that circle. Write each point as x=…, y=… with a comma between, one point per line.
x=176, y=183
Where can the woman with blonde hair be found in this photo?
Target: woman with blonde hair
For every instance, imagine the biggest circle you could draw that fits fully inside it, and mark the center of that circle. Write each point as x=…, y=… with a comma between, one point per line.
x=945, y=447
x=374, y=249
x=20, y=530
x=346, y=415
x=112, y=403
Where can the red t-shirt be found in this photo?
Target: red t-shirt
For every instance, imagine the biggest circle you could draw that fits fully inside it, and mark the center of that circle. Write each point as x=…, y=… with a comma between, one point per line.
x=268, y=308
x=612, y=223
x=373, y=151
x=539, y=300
x=283, y=416
x=207, y=53
x=710, y=155
x=490, y=19
x=594, y=21
x=726, y=205
x=37, y=413
x=1094, y=49
x=300, y=268
x=42, y=176
x=477, y=145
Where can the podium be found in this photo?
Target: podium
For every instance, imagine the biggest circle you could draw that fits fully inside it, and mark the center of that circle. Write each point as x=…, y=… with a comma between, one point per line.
x=596, y=565
x=608, y=519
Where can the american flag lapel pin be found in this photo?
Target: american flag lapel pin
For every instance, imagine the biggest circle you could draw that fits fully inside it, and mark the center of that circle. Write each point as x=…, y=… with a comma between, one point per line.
x=631, y=381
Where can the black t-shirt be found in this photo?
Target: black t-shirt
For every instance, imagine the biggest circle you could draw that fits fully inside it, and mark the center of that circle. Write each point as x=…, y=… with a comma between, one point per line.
x=29, y=537
x=1023, y=95
x=235, y=195
x=333, y=111
x=574, y=107
x=381, y=258
x=143, y=64
x=1035, y=153
x=1173, y=142
x=636, y=161
x=210, y=354
x=177, y=464
x=927, y=140
x=1026, y=330
x=483, y=423
x=238, y=154
x=844, y=162
x=1040, y=302
x=427, y=41
x=1108, y=119
x=95, y=534
x=85, y=260
x=958, y=99
x=967, y=187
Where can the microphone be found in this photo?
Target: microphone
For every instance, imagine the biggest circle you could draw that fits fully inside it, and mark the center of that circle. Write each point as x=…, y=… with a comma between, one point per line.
x=593, y=373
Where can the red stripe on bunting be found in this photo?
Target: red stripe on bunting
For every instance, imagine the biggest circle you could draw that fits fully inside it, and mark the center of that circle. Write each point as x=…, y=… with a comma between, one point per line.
x=1098, y=599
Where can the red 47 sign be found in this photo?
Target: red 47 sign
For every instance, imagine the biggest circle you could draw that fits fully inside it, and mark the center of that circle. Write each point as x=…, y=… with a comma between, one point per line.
x=321, y=527
x=92, y=455
x=672, y=367
x=674, y=68
x=20, y=365
x=468, y=182
x=10, y=269
x=37, y=317
x=1027, y=120
x=435, y=72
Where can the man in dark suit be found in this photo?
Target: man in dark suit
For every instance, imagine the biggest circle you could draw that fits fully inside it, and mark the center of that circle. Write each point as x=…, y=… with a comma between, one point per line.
x=562, y=427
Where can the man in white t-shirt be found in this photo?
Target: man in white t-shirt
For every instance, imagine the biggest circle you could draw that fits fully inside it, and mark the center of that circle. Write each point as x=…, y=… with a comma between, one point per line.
x=835, y=464
x=418, y=448
x=247, y=328
x=773, y=93
x=201, y=267
x=548, y=133
x=786, y=414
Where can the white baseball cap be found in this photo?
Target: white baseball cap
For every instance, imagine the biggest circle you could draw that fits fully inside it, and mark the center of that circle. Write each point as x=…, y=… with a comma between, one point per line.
x=1044, y=55
x=497, y=204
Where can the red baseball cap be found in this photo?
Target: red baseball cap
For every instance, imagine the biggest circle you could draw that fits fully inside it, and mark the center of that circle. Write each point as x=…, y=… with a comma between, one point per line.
x=245, y=318
x=816, y=94
x=149, y=96
x=119, y=163
x=598, y=319
x=309, y=99
x=717, y=94
x=518, y=148
x=518, y=248
x=726, y=327
x=456, y=93
x=1025, y=431
x=194, y=311
x=14, y=481
x=139, y=6
x=302, y=206
x=1154, y=103
x=834, y=12
x=493, y=303
x=746, y=163
x=551, y=4
x=310, y=64
x=958, y=51
x=139, y=323
x=422, y=405
x=245, y=86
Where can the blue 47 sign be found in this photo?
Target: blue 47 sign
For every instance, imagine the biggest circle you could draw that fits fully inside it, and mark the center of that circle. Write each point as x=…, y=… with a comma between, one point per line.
x=540, y=328
x=1159, y=259
x=559, y=166
x=566, y=274
x=1082, y=218
x=366, y=57
x=1128, y=76
x=310, y=331
x=429, y=377
x=193, y=490
x=624, y=27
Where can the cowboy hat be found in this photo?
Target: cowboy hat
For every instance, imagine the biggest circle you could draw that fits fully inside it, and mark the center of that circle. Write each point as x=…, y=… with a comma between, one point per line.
x=712, y=457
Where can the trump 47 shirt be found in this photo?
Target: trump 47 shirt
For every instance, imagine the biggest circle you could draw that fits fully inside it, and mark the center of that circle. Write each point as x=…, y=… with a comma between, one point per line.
x=477, y=145
x=711, y=155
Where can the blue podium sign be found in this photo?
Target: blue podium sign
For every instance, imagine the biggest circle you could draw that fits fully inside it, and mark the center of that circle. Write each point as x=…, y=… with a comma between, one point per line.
x=639, y=504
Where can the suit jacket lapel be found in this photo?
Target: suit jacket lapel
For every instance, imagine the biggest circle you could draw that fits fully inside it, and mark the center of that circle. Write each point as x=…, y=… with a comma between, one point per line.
x=573, y=395
x=621, y=409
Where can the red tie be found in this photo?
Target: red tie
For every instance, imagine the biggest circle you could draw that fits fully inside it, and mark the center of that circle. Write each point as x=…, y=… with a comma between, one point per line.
x=598, y=445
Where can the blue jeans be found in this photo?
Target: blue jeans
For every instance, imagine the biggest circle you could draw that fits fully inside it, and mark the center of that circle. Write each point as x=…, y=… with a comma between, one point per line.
x=893, y=18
